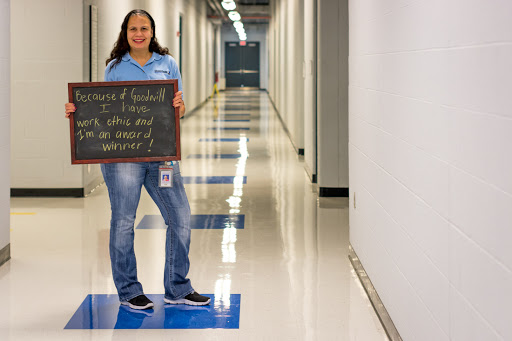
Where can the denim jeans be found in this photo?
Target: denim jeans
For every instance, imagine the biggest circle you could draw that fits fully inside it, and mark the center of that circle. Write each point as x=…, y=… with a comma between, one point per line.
x=124, y=182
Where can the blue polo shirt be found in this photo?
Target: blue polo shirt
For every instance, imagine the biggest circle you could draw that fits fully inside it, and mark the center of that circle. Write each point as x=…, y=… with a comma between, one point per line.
x=157, y=67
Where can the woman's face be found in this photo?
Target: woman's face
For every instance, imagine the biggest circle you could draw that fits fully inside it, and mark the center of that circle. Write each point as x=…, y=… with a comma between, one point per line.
x=139, y=33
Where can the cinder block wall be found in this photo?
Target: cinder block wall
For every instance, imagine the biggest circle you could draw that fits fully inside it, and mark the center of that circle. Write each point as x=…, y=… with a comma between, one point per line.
x=46, y=51
x=430, y=166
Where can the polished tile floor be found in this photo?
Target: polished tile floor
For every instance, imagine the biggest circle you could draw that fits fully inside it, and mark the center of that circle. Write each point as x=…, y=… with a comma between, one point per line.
x=270, y=253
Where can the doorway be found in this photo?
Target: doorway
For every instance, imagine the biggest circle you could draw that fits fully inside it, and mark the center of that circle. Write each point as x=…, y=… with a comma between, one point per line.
x=242, y=65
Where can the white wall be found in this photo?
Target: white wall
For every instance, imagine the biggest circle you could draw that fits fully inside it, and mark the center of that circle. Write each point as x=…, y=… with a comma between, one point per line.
x=286, y=55
x=40, y=134
x=5, y=110
x=255, y=33
x=218, y=50
x=332, y=93
x=310, y=93
x=198, y=74
x=309, y=84
x=40, y=156
x=430, y=165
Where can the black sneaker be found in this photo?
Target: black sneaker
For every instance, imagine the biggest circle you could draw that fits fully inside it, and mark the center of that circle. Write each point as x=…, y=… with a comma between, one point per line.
x=191, y=299
x=139, y=302
x=126, y=311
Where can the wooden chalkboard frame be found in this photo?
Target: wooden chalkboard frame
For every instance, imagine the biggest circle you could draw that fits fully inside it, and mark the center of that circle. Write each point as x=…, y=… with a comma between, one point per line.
x=75, y=161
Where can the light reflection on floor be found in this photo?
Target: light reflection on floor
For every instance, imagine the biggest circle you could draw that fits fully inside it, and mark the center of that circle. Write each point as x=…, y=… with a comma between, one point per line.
x=212, y=179
x=198, y=222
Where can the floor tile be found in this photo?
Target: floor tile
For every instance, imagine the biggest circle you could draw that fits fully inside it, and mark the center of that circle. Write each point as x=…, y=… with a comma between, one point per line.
x=213, y=179
x=231, y=120
x=229, y=128
x=105, y=312
x=214, y=156
x=197, y=221
x=223, y=139
x=269, y=240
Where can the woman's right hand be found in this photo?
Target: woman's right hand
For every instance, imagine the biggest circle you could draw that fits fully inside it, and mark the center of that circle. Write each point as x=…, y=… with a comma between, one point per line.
x=70, y=108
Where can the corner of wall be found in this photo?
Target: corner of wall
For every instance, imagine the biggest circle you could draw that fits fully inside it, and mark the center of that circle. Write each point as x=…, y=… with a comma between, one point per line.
x=5, y=134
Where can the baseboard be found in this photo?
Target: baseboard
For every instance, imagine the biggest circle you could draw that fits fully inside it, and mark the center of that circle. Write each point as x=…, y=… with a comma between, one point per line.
x=92, y=185
x=310, y=174
x=333, y=192
x=378, y=306
x=47, y=192
x=5, y=254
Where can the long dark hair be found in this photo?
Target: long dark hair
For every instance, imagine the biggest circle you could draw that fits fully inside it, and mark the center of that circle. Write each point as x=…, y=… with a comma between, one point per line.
x=121, y=46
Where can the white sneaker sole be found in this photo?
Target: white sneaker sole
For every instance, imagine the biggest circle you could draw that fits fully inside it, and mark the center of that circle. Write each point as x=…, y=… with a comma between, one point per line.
x=185, y=301
x=138, y=307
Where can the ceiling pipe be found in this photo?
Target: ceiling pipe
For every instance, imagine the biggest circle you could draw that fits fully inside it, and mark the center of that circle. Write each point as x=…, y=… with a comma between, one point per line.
x=215, y=4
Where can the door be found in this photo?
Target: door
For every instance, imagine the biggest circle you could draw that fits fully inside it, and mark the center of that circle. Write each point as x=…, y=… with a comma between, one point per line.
x=242, y=65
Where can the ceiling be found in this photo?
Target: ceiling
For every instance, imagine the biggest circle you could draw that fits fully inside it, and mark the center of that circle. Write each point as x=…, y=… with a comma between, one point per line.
x=253, y=2
x=252, y=11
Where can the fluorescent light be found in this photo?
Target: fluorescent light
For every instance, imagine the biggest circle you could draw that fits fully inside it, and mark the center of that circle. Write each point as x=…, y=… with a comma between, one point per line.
x=228, y=5
x=234, y=15
x=238, y=24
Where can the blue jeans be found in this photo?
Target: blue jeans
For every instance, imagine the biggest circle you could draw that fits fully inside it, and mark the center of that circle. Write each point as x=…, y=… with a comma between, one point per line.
x=124, y=182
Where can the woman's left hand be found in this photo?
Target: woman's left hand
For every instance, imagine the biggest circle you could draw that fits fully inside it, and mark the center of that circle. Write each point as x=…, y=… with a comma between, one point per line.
x=177, y=102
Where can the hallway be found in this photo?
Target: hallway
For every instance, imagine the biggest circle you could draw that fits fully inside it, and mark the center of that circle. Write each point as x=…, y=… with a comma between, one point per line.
x=270, y=253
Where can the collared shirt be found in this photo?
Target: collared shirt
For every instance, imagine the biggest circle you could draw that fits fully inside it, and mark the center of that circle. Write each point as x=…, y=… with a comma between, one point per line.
x=157, y=67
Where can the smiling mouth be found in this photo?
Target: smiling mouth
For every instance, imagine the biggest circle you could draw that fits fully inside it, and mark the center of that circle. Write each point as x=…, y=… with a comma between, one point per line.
x=138, y=40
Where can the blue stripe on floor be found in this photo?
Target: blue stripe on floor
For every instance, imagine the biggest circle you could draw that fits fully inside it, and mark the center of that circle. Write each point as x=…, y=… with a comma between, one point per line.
x=212, y=179
x=214, y=156
x=240, y=108
x=229, y=128
x=238, y=139
x=105, y=312
x=234, y=115
x=231, y=120
x=197, y=221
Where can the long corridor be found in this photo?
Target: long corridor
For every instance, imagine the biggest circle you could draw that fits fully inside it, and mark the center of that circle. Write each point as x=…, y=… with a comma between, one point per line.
x=269, y=252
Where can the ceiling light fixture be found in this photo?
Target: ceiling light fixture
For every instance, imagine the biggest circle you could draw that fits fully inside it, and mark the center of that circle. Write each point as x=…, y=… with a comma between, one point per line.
x=234, y=16
x=228, y=5
x=238, y=24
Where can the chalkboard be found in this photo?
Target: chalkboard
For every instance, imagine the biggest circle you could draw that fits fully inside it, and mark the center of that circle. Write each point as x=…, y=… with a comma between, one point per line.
x=124, y=122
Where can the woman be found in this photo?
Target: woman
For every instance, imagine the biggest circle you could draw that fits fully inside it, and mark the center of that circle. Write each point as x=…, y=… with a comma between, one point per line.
x=138, y=56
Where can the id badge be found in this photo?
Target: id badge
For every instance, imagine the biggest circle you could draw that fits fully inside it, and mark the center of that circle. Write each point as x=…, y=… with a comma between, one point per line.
x=165, y=176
